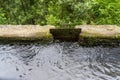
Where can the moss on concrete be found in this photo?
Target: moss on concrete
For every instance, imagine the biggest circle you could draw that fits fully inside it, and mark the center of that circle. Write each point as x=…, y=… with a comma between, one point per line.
x=93, y=35
x=97, y=41
x=25, y=33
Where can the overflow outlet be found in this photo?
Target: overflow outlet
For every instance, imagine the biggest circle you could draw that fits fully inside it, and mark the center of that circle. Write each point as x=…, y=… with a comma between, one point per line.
x=65, y=34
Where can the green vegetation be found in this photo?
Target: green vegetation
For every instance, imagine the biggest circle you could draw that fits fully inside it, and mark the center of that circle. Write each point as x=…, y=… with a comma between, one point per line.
x=2, y=17
x=60, y=12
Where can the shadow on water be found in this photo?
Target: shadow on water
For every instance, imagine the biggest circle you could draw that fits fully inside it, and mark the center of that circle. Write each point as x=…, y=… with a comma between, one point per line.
x=59, y=61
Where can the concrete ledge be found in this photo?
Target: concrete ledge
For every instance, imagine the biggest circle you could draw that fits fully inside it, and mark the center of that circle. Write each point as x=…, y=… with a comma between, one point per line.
x=90, y=35
x=25, y=33
x=93, y=35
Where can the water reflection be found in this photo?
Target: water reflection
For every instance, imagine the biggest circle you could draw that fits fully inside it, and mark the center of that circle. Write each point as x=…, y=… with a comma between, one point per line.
x=58, y=61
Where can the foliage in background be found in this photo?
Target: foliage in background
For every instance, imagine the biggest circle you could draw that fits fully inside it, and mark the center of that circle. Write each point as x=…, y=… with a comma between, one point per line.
x=108, y=12
x=60, y=12
x=2, y=17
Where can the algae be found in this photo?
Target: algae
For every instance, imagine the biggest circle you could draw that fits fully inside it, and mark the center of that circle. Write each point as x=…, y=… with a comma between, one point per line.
x=25, y=33
x=86, y=35
x=94, y=35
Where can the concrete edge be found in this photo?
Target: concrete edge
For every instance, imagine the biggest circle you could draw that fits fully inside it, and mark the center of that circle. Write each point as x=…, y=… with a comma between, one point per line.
x=31, y=33
x=46, y=36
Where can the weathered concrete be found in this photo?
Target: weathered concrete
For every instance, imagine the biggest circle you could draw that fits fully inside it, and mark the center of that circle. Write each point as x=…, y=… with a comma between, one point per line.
x=25, y=33
x=92, y=35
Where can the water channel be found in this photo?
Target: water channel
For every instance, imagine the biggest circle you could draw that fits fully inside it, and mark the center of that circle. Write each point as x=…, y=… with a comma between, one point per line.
x=58, y=61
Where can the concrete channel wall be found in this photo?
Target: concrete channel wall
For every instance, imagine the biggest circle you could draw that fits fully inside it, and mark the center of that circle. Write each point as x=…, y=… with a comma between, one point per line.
x=89, y=35
x=25, y=33
x=93, y=35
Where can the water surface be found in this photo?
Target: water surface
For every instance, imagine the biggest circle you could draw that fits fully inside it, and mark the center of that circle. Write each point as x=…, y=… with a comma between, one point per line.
x=59, y=61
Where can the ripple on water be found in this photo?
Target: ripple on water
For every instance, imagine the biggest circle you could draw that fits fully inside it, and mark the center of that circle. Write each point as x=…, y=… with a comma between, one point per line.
x=59, y=61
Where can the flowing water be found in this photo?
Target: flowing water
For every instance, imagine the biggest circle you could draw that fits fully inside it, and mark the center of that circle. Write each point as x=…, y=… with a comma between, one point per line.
x=59, y=61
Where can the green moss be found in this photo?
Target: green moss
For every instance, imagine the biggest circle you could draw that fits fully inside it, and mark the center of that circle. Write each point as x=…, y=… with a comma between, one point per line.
x=25, y=33
x=41, y=38
x=95, y=35
x=97, y=41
